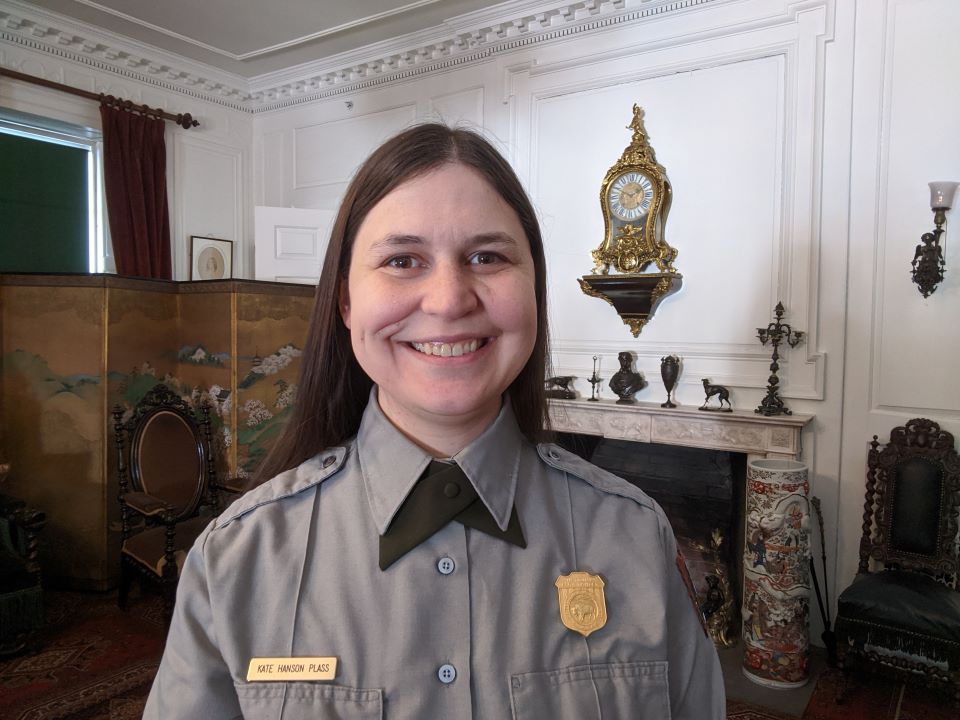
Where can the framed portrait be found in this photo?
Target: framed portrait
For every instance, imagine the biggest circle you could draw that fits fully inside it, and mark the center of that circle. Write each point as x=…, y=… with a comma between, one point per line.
x=210, y=259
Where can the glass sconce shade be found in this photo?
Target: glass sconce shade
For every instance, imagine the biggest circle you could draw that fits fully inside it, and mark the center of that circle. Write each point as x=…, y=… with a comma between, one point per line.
x=941, y=194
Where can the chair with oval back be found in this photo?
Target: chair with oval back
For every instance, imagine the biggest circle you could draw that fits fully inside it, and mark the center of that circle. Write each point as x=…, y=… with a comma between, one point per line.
x=165, y=449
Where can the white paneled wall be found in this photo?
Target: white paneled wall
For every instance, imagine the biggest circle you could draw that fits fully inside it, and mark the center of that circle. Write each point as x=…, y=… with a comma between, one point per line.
x=210, y=196
x=724, y=219
x=919, y=116
x=733, y=115
x=325, y=154
x=902, y=348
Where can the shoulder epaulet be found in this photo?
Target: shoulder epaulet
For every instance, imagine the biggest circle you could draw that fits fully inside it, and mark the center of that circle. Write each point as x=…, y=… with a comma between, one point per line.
x=555, y=456
x=291, y=482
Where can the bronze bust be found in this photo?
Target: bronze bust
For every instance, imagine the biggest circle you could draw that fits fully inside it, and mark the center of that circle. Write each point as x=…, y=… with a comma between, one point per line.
x=625, y=382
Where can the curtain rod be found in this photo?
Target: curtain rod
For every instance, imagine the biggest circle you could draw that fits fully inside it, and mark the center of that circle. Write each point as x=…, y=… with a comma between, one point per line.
x=184, y=120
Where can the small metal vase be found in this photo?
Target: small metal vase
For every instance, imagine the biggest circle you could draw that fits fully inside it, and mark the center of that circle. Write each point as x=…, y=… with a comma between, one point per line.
x=669, y=371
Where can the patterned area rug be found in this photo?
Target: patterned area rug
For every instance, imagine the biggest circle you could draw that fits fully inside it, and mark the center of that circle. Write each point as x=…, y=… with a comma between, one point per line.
x=95, y=662
x=872, y=698
x=737, y=710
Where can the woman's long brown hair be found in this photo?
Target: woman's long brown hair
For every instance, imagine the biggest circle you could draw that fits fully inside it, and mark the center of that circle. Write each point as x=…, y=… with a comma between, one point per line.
x=333, y=389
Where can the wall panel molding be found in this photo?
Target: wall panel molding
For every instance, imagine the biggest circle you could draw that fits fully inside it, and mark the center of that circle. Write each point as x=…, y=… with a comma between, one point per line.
x=217, y=209
x=796, y=44
x=327, y=153
x=461, y=106
x=919, y=146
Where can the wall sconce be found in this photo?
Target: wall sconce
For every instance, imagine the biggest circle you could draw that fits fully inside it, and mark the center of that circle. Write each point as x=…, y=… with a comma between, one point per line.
x=928, y=263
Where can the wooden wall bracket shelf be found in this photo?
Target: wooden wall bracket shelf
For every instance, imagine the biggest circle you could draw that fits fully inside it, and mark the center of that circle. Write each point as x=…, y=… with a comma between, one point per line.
x=635, y=296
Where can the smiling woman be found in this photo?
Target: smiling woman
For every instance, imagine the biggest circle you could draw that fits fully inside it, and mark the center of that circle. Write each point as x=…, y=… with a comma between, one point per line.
x=411, y=534
x=443, y=313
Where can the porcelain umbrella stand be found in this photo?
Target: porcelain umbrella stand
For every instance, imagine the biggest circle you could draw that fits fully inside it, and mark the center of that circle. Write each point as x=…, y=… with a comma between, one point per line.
x=776, y=574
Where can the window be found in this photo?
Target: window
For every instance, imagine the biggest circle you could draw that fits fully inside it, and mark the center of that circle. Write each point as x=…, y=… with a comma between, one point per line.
x=51, y=198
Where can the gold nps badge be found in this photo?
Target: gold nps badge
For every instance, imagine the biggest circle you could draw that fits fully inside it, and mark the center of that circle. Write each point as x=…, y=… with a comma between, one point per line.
x=583, y=607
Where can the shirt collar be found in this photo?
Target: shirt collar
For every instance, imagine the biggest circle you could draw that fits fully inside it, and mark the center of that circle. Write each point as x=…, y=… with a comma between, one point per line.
x=391, y=463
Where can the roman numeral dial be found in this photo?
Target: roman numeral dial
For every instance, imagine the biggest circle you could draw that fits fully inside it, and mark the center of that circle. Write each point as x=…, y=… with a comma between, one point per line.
x=630, y=196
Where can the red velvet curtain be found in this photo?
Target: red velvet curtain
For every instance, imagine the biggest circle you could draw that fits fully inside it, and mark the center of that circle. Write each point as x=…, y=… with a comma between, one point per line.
x=135, y=180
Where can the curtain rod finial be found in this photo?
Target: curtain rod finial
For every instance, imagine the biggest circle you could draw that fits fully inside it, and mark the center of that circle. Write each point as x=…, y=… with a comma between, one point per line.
x=186, y=121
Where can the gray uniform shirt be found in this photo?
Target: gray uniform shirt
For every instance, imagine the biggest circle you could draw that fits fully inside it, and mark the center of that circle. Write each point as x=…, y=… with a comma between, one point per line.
x=291, y=570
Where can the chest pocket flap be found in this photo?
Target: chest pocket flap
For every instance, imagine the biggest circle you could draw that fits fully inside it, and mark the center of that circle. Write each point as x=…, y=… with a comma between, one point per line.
x=308, y=701
x=616, y=691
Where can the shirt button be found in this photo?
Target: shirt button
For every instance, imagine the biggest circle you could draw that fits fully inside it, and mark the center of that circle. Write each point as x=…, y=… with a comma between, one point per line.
x=446, y=565
x=447, y=674
x=451, y=489
x=328, y=461
x=554, y=454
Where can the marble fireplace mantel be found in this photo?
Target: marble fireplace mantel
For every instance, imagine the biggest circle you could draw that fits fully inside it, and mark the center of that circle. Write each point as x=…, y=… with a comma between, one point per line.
x=738, y=431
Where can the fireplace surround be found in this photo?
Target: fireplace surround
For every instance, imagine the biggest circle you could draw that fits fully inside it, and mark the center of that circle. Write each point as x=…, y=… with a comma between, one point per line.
x=754, y=436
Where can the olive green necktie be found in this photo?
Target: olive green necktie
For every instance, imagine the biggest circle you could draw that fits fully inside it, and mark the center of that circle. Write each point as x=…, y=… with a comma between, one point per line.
x=442, y=494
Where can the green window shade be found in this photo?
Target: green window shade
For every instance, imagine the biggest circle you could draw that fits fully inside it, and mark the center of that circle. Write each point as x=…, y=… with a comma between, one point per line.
x=43, y=206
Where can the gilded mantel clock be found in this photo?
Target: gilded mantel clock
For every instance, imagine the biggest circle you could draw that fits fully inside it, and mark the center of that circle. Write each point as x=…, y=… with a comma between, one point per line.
x=635, y=198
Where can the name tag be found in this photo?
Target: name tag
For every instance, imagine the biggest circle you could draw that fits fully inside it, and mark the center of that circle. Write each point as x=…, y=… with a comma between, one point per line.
x=285, y=669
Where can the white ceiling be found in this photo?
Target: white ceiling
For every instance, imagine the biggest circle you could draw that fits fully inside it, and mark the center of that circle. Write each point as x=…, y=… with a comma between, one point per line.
x=253, y=37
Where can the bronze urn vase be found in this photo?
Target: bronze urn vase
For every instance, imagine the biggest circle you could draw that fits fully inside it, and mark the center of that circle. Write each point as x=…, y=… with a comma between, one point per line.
x=669, y=371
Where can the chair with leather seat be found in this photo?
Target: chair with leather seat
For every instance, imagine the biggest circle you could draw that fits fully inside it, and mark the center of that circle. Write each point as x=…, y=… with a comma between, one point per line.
x=901, y=615
x=167, y=488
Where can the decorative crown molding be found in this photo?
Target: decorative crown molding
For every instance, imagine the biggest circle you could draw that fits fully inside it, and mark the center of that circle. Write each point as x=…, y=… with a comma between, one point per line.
x=463, y=40
x=58, y=36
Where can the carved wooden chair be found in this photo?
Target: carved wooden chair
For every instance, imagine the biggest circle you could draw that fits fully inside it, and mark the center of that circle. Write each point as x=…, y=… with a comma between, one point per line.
x=901, y=614
x=21, y=596
x=167, y=488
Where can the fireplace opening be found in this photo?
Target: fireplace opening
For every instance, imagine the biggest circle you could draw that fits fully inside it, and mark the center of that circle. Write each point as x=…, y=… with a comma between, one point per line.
x=702, y=493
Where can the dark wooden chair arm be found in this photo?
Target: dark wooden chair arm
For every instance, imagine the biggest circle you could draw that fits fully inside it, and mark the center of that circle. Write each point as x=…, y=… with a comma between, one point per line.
x=16, y=512
x=146, y=505
x=21, y=527
x=8, y=504
x=233, y=485
x=32, y=521
x=21, y=595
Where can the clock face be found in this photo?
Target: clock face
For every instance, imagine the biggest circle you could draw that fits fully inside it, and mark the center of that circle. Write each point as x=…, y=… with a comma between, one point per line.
x=630, y=195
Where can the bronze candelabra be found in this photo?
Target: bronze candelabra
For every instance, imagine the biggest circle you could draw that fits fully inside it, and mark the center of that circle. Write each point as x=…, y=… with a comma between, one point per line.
x=776, y=332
